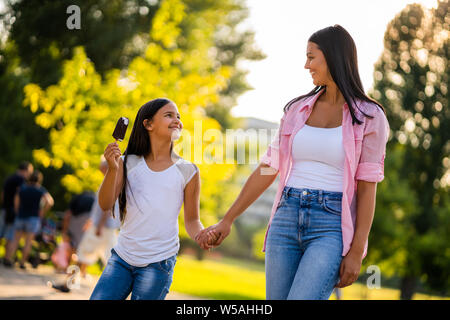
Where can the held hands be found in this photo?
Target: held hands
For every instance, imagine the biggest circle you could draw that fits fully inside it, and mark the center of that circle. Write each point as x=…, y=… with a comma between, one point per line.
x=214, y=235
x=206, y=240
x=112, y=154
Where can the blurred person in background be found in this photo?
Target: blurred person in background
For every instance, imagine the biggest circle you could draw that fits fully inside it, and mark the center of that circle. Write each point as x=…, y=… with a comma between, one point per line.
x=31, y=203
x=10, y=188
x=100, y=236
x=75, y=219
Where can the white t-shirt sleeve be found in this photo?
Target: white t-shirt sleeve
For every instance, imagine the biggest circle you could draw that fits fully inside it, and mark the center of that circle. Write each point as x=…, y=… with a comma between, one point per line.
x=192, y=174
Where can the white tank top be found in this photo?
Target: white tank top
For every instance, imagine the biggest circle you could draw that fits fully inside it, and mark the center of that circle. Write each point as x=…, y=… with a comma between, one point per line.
x=149, y=232
x=318, y=159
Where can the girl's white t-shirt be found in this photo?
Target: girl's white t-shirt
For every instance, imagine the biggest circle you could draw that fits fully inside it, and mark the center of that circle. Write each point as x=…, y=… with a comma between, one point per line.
x=149, y=232
x=317, y=159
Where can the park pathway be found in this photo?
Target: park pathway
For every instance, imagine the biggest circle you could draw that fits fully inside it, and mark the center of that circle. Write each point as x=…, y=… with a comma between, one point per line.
x=35, y=284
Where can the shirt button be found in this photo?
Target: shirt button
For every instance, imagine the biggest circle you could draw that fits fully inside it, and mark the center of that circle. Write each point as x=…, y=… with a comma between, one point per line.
x=305, y=193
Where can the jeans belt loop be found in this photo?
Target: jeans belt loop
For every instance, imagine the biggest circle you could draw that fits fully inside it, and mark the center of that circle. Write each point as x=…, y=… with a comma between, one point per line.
x=320, y=196
x=288, y=190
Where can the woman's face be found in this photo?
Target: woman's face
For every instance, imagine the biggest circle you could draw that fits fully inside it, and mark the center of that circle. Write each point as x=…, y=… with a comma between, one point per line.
x=165, y=123
x=317, y=65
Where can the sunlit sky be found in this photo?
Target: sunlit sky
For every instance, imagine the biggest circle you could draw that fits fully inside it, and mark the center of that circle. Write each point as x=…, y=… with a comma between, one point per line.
x=282, y=29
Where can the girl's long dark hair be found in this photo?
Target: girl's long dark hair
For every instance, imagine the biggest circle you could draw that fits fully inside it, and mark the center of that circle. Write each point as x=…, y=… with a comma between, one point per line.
x=138, y=144
x=339, y=50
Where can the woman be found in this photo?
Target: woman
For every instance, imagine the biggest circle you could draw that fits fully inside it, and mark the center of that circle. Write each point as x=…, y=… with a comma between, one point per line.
x=31, y=203
x=330, y=155
x=151, y=183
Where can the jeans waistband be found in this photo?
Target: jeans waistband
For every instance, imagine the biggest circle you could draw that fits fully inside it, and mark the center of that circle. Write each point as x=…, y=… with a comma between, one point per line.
x=310, y=193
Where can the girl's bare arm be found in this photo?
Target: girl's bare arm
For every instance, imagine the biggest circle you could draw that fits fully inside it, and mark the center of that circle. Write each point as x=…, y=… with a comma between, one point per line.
x=112, y=183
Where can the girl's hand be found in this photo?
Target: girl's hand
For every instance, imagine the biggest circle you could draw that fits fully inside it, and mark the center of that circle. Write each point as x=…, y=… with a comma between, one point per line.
x=222, y=229
x=350, y=268
x=206, y=241
x=112, y=154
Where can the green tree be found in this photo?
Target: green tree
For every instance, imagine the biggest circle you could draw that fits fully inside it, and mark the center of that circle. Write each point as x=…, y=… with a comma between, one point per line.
x=80, y=111
x=229, y=46
x=113, y=33
x=20, y=133
x=411, y=81
x=35, y=42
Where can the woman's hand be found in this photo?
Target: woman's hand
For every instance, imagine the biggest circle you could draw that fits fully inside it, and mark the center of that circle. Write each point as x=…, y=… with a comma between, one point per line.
x=205, y=239
x=223, y=228
x=218, y=231
x=350, y=268
x=112, y=154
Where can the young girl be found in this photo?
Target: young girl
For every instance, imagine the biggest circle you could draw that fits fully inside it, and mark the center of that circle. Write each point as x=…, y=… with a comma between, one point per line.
x=151, y=183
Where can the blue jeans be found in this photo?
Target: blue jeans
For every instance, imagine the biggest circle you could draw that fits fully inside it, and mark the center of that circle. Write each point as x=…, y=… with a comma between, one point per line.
x=304, y=245
x=8, y=231
x=119, y=278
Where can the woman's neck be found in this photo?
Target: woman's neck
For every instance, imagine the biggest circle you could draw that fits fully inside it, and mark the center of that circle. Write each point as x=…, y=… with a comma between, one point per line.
x=333, y=95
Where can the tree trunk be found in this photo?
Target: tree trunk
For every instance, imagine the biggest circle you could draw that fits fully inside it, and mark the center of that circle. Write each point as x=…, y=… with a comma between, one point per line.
x=199, y=253
x=408, y=287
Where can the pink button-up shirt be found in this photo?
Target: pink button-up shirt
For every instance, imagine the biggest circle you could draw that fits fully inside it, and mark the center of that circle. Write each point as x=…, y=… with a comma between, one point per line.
x=364, y=148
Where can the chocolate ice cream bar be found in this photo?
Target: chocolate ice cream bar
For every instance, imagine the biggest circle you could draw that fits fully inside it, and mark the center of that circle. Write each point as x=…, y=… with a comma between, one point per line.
x=121, y=129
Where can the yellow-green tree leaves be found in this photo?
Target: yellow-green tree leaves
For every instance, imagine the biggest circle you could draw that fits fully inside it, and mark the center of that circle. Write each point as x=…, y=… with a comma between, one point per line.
x=82, y=108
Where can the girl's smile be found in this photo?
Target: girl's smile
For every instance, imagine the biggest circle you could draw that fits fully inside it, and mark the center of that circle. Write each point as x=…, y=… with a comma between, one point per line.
x=166, y=122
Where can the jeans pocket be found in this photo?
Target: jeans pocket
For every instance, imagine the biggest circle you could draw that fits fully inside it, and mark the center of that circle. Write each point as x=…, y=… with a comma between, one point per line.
x=333, y=206
x=167, y=265
x=282, y=200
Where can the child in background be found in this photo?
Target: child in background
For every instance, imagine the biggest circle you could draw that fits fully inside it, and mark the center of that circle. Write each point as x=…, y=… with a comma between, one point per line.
x=100, y=235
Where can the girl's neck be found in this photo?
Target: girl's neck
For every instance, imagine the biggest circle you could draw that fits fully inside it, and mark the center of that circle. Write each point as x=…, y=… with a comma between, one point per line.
x=160, y=150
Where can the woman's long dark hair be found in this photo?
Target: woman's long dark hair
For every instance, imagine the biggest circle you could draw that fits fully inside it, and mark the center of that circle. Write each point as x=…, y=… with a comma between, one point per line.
x=138, y=144
x=339, y=50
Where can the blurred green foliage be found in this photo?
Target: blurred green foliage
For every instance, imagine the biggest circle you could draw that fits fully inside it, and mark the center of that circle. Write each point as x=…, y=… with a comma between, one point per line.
x=410, y=232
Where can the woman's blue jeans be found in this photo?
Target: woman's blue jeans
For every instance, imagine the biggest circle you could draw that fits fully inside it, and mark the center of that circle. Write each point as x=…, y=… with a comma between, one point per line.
x=304, y=245
x=119, y=278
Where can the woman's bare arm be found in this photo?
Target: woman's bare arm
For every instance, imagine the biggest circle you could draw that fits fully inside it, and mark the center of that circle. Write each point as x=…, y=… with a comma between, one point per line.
x=256, y=184
x=366, y=198
x=365, y=209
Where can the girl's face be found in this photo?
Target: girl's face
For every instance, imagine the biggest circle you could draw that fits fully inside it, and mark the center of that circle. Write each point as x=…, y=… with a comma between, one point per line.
x=317, y=65
x=165, y=123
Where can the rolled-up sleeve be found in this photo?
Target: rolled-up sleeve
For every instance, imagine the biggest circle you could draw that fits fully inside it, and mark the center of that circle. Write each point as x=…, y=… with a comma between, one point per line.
x=272, y=155
x=373, y=150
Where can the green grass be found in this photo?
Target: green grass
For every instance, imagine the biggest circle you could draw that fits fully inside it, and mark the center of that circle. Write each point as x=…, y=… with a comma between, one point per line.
x=237, y=279
x=217, y=280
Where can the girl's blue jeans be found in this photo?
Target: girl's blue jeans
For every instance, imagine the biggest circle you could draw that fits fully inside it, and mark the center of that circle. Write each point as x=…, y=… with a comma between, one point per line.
x=304, y=245
x=119, y=278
